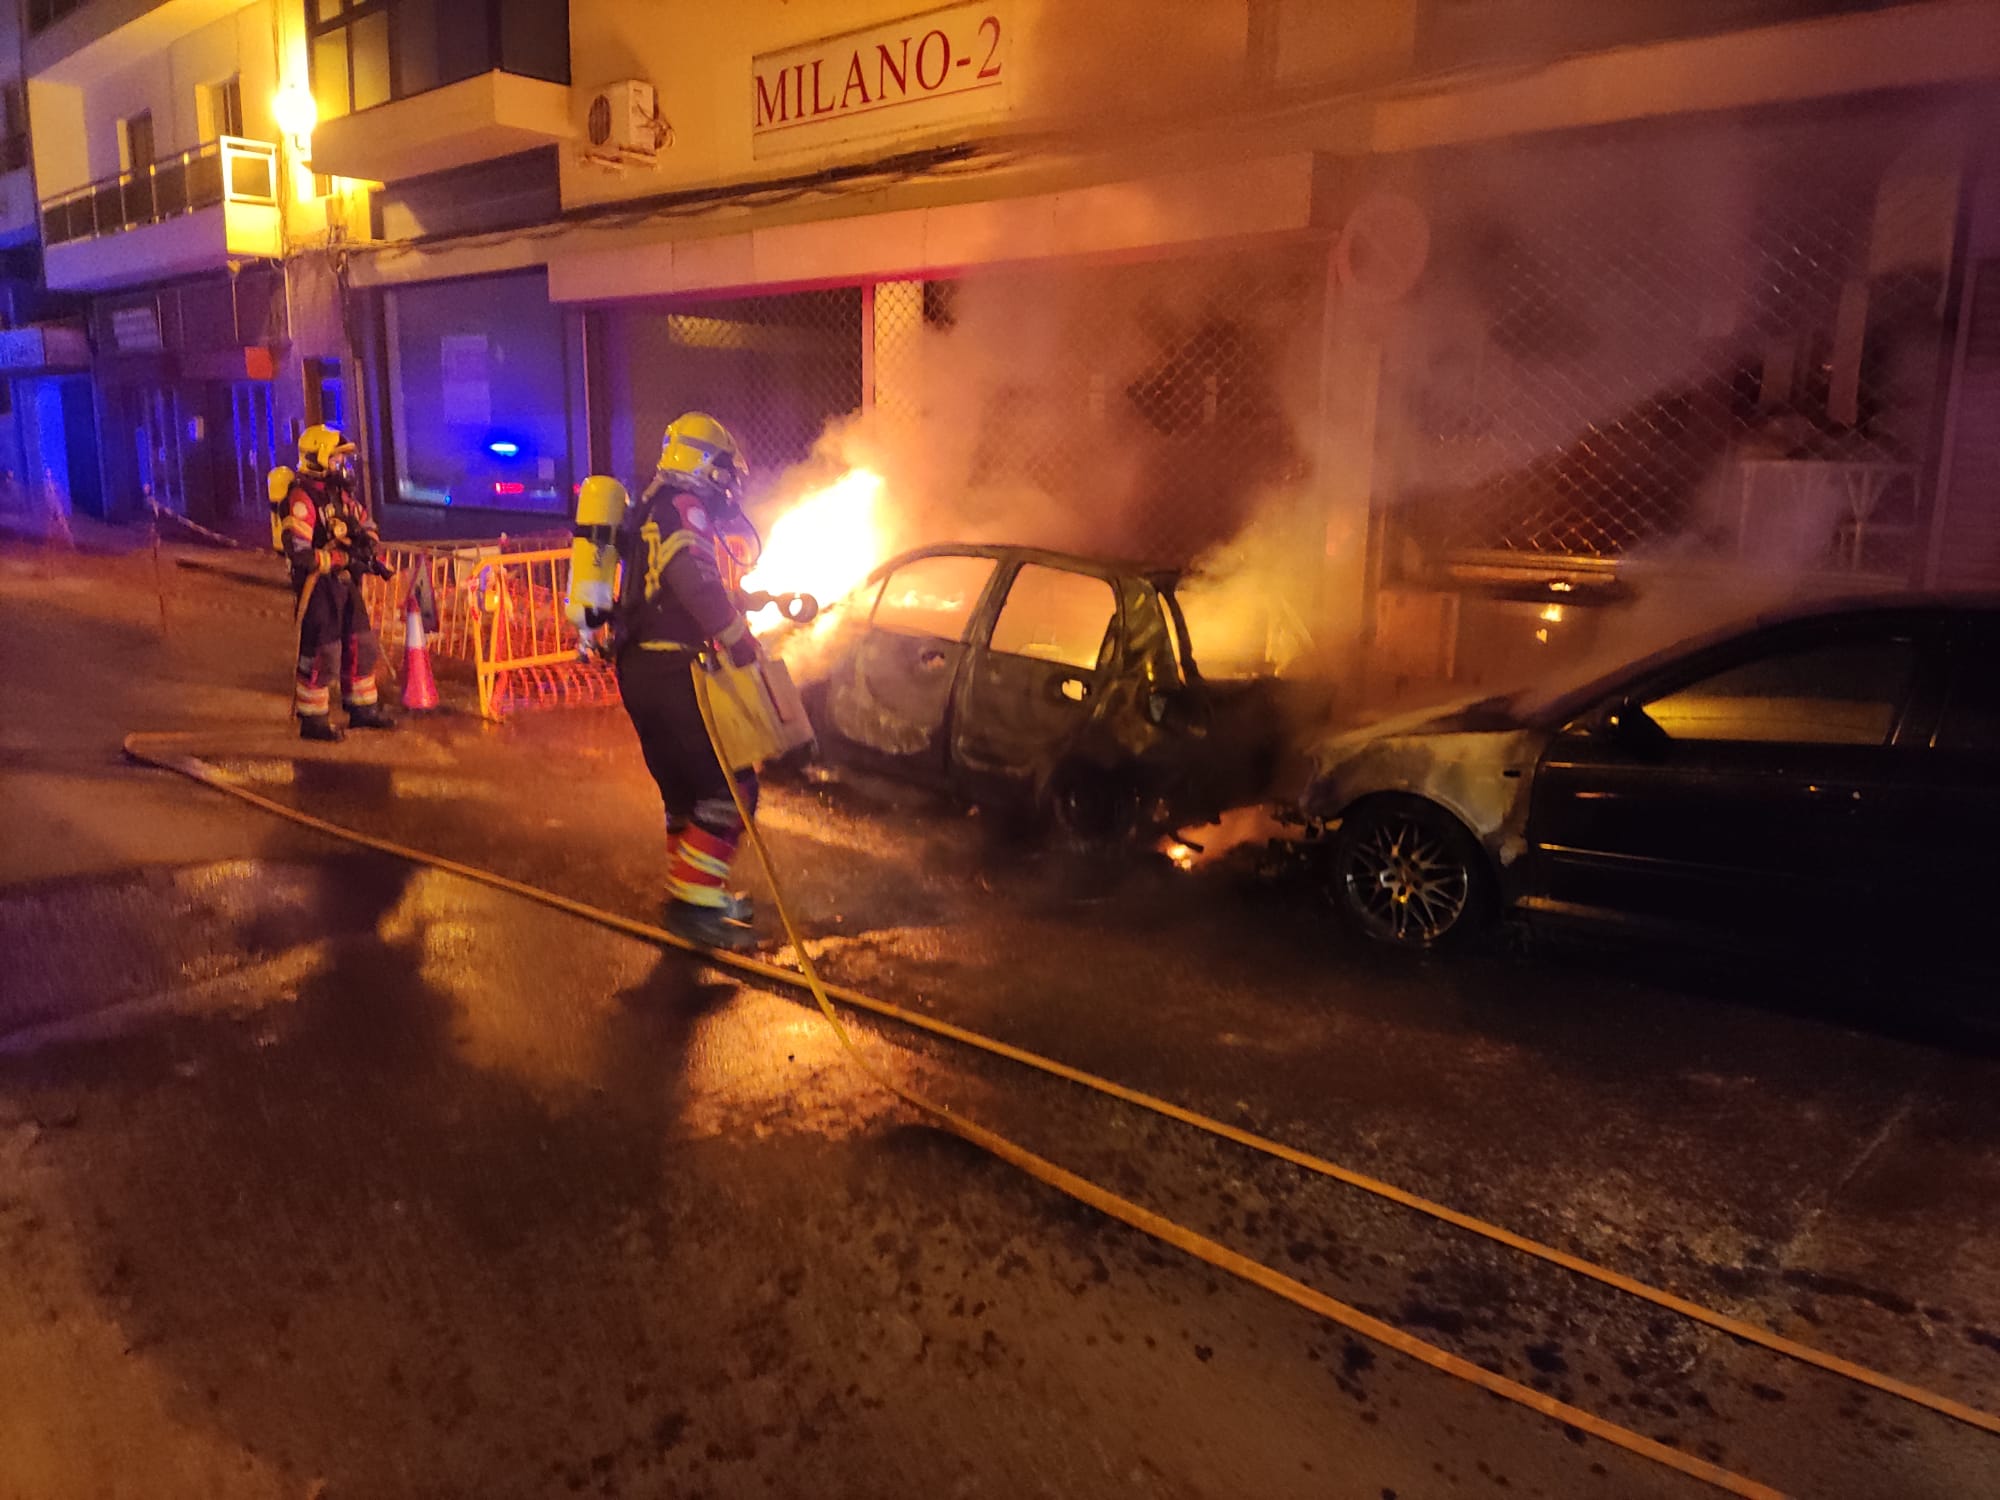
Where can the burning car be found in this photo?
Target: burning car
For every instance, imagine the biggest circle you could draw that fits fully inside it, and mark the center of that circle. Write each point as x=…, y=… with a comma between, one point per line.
x=1825, y=774
x=1036, y=680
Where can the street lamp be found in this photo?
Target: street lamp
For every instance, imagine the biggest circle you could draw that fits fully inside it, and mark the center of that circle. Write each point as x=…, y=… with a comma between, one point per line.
x=297, y=112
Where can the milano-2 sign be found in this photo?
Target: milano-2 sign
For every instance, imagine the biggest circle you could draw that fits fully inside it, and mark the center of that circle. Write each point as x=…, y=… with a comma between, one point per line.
x=939, y=68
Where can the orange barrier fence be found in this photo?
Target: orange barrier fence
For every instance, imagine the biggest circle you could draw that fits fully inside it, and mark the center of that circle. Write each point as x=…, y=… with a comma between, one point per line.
x=499, y=610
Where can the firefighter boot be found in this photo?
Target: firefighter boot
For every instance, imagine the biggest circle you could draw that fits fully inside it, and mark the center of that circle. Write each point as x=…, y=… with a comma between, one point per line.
x=369, y=716
x=319, y=727
x=709, y=927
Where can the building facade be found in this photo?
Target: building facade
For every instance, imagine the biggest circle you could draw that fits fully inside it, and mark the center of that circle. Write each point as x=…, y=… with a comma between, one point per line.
x=1445, y=319
x=195, y=241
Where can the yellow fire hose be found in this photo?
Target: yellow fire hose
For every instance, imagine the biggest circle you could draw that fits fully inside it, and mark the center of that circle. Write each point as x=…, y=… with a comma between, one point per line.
x=150, y=749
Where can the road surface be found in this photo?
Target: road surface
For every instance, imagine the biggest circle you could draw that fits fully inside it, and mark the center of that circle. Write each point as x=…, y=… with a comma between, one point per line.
x=322, y=1174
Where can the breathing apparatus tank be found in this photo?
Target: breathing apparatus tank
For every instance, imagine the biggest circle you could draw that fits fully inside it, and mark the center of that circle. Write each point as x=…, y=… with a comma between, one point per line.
x=601, y=503
x=278, y=490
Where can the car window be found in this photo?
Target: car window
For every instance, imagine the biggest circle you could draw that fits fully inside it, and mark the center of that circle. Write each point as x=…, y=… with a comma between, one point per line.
x=1972, y=712
x=1841, y=694
x=1055, y=615
x=933, y=596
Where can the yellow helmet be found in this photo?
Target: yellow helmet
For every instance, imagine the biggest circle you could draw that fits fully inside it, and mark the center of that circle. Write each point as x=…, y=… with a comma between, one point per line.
x=698, y=454
x=320, y=447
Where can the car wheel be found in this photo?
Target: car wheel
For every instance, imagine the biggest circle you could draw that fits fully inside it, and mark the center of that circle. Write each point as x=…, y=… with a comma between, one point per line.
x=1092, y=808
x=1406, y=874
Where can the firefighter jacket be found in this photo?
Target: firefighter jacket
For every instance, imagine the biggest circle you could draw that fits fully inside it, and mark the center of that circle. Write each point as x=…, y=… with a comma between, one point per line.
x=671, y=590
x=325, y=525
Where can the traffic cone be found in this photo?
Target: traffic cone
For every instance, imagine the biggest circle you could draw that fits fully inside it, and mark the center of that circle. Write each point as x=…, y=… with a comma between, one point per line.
x=420, y=689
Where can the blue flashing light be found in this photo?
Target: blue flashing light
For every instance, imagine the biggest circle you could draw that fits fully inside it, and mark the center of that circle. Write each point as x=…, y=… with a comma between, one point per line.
x=501, y=448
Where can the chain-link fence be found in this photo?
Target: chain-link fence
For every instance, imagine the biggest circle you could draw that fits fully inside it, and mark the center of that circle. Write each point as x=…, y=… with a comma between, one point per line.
x=1135, y=410
x=1716, y=339
x=777, y=368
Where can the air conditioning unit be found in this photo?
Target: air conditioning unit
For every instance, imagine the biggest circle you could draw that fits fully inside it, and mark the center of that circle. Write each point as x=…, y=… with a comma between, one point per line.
x=622, y=125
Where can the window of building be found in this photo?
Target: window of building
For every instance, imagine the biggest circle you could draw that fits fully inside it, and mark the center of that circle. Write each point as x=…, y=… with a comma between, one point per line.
x=1849, y=693
x=326, y=393
x=135, y=141
x=367, y=52
x=933, y=596
x=1055, y=615
x=218, y=108
x=477, y=394
x=13, y=128
x=45, y=13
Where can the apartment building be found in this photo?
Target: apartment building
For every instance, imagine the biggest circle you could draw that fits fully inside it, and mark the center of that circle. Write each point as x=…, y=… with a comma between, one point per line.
x=175, y=211
x=1467, y=313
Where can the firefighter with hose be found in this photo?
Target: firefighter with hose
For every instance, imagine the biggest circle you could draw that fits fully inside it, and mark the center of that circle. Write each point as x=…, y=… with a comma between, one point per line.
x=674, y=603
x=330, y=545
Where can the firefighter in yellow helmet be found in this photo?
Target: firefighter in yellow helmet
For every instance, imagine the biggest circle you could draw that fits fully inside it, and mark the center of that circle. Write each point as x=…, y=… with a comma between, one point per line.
x=330, y=544
x=676, y=599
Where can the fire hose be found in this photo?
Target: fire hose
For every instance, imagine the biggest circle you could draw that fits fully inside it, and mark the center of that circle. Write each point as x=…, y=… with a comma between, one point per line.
x=149, y=749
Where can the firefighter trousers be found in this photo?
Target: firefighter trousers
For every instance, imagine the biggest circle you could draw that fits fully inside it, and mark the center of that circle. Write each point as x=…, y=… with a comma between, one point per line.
x=336, y=640
x=703, y=829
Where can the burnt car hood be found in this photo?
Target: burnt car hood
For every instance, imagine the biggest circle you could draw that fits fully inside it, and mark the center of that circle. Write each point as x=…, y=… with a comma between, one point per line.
x=1475, y=759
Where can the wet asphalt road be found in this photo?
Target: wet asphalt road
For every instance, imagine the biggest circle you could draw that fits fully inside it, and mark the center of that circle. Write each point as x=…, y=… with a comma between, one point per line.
x=320, y=1174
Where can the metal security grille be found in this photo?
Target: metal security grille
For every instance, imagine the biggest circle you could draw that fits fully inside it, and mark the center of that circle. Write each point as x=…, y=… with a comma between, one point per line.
x=776, y=369
x=1140, y=411
x=1716, y=339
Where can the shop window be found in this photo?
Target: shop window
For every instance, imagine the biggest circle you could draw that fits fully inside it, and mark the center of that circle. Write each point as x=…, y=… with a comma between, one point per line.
x=477, y=394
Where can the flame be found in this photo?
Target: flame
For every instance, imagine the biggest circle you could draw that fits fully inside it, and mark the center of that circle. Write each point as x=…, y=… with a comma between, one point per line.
x=825, y=544
x=1235, y=828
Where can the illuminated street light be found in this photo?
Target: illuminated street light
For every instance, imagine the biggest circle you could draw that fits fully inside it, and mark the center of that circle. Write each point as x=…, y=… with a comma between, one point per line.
x=297, y=112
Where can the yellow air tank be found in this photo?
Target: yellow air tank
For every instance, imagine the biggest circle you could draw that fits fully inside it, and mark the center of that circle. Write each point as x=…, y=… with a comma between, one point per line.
x=278, y=490
x=601, y=504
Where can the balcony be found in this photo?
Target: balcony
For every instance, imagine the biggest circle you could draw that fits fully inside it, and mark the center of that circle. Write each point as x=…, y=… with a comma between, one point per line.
x=192, y=212
x=411, y=87
x=478, y=119
x=76, y=41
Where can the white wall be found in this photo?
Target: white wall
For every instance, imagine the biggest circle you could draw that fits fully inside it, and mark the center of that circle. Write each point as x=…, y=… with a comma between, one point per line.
x=76, y=128
x=1092, y=67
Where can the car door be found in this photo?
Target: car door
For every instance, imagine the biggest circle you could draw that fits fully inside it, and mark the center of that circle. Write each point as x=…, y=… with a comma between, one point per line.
x=1035, y=681
x=891, y=696
x=1948, y=808
x=1748, y=790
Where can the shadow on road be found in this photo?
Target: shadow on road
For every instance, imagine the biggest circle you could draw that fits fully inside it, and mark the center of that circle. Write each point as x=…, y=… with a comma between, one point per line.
x=344, y=1242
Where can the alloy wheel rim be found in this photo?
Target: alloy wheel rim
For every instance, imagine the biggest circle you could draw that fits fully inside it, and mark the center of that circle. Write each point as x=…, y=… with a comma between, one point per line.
x=1405, y=884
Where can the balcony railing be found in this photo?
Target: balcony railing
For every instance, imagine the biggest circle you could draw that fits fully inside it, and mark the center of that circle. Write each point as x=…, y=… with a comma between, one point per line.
x=229, y=170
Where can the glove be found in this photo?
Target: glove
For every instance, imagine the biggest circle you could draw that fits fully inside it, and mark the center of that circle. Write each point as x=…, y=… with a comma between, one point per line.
x=743, y=650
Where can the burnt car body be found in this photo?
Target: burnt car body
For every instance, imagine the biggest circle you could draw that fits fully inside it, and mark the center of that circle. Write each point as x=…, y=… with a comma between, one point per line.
x=1827, y=775
x=1047, y=682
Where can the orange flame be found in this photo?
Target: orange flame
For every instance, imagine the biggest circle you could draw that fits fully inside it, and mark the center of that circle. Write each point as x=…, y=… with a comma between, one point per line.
x=825, y=544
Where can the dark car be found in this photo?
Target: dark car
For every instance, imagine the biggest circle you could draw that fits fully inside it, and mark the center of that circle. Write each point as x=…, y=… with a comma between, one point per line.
x=1828, y=775
x=1046, y=682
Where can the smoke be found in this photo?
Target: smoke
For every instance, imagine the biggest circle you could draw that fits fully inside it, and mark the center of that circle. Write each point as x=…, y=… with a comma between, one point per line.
x=1699, y=359
x=1134, y=413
